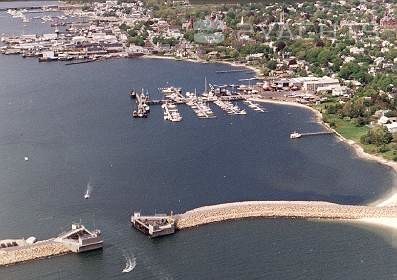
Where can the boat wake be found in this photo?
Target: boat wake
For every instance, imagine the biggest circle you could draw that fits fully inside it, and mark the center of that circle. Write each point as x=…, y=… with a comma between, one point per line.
x=88, y=191
x=130, y=263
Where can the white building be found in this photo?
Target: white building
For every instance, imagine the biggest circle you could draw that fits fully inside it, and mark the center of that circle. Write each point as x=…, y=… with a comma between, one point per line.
x=392, y=127
x=313, y=83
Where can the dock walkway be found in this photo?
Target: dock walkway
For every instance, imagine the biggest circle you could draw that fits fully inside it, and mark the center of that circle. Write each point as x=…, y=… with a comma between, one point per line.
x=317, y=133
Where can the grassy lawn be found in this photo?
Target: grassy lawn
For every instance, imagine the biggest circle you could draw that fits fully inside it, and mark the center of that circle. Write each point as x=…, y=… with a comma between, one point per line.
x=350, y=131
x=345, y=127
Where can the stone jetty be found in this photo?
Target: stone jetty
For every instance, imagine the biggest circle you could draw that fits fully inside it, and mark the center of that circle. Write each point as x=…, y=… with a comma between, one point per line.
x=77, y=239
x=38, y=250
x=280, y=209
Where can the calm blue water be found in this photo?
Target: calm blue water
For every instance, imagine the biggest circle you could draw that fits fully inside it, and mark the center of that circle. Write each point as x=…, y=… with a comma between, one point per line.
x=74, y=124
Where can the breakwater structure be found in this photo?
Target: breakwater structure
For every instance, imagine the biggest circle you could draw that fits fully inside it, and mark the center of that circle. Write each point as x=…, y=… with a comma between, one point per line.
x=307, y=210
x=77, y=239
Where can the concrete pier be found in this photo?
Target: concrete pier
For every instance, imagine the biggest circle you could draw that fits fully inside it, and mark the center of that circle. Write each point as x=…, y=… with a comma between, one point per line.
x=280, y=209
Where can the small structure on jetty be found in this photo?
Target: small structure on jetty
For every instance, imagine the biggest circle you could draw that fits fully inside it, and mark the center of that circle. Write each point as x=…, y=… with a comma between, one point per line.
x=154, y=226
x=78, y=239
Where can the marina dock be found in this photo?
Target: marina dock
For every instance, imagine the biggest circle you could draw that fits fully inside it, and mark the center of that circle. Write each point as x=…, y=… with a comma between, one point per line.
x=173, y=96
x=142, y=104
x=77, y=239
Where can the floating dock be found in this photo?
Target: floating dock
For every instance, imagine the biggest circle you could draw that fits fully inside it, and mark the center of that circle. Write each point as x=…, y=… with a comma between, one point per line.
x=78, y=239
x=154, y=226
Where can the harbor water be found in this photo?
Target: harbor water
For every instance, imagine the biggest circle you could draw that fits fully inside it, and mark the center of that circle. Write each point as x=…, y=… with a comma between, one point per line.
x=74, y=125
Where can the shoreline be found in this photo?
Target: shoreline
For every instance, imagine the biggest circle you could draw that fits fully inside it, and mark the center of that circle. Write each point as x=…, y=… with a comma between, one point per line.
x=233, y=64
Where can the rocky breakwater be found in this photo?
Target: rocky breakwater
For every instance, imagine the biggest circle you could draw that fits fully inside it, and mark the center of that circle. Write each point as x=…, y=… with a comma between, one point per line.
x=38, y=250
x=280, y=209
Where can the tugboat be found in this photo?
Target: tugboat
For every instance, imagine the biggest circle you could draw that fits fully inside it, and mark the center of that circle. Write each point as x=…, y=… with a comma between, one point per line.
x=295, y=135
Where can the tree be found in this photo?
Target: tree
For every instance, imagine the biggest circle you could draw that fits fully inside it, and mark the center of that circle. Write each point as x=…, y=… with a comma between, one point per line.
x=378, y=135
x=272, y=64
x=353, y=71
x=280, y=45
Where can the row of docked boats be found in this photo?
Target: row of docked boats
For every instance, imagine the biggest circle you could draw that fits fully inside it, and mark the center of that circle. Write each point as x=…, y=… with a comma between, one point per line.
x=171, y=112
x=229, y=107
x=254, y=106
x=201, y=108
x=143, y=108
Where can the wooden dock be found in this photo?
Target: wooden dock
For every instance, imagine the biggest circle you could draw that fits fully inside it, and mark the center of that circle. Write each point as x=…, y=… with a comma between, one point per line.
x=317, y=133
x=234, y=71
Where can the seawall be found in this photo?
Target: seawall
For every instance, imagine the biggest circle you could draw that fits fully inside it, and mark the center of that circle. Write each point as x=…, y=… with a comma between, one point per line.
x=280, y=209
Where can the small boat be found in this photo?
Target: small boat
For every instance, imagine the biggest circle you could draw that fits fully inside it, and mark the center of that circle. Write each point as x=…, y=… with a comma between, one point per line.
x=87, y=196
x=135, y=114
x=295, y=135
